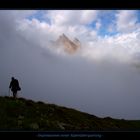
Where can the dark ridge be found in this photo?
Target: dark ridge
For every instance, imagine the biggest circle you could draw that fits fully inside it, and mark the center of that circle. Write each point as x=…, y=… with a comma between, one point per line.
x=23, y=114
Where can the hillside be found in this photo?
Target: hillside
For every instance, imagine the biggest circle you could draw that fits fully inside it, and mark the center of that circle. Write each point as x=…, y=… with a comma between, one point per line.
x=23, y=114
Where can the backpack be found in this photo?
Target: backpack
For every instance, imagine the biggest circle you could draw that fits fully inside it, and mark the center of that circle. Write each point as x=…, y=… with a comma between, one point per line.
x=19, y=88
x=17, y=83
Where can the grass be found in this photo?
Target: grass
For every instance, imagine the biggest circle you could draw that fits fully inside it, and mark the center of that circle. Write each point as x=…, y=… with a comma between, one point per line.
x=23, y=114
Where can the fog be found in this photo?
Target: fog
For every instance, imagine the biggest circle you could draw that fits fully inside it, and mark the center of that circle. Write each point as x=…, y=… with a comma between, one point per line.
x=100, y=87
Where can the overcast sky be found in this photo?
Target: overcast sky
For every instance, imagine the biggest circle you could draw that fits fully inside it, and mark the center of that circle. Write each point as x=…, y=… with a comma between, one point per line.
x=102, y=78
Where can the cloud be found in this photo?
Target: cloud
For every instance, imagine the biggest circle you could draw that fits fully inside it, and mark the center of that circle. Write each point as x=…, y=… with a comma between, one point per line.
x=95, y=80
x=126, y=20
x=93, y=46
x=121, y=47
x=71, y=17
x=98, y=25
x=73, y=28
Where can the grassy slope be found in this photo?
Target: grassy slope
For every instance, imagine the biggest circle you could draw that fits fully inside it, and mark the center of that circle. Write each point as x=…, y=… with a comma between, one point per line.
x=22, y=114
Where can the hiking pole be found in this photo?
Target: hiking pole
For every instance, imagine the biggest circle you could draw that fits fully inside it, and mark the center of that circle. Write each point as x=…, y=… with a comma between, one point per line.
x=9, y=92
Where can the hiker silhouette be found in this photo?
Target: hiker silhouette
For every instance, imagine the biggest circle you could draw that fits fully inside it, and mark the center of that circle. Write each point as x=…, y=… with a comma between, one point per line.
x=14, y=86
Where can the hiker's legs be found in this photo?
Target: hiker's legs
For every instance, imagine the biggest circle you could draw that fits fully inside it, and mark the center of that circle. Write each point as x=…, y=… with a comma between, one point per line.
x=14, y=94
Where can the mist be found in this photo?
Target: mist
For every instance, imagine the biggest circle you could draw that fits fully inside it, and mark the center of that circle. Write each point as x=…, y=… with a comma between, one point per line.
x=104, y=87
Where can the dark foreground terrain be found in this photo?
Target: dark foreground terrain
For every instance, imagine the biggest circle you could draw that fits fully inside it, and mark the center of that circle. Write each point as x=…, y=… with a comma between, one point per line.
x=22, y=114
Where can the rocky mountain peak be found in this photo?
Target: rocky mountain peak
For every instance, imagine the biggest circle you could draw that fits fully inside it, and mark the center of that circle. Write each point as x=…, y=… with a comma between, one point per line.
x=68, y=45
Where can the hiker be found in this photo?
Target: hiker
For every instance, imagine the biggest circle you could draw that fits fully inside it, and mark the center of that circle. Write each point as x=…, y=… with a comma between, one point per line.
x=14, y=86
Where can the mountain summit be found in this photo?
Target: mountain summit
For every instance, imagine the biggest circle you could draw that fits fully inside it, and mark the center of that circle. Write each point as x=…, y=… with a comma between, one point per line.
x=68, y=45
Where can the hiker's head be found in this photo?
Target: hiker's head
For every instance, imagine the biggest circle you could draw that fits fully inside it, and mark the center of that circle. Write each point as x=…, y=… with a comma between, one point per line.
x=12, y=78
